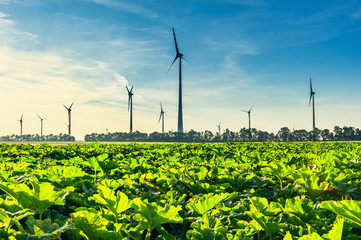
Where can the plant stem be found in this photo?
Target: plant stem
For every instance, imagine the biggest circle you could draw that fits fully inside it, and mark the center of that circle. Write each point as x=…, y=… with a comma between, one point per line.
x=149, y=233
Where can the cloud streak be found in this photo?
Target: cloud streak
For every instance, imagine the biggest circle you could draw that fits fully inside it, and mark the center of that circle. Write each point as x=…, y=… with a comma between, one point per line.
x=10, y=34
x=128, y=7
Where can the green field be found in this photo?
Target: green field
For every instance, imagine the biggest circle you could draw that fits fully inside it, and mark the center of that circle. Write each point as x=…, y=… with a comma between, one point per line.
x=181, y=191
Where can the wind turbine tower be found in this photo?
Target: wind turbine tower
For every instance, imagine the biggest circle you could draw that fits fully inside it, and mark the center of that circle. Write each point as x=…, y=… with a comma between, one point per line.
x=41, y=124
x=219, y=129
x=69, y=115
x=249, y=122
x=21, y=125
x=130, y=106
x=312, y=98
x=161, y=117
x=179, y=56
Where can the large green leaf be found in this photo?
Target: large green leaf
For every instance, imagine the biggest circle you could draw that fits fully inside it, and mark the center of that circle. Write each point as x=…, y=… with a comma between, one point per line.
x=151, y=215
x=40, y=197
x=43, y=230
x=116, y=204
x=92, y=226
x=336, y=231
x=348, y=209
x=207, y=202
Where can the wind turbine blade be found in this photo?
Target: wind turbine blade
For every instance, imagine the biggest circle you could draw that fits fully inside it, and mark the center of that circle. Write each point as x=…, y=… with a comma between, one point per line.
x=71, y=105
x=175, y=42
x=66, y=107
x=171, y=65
x=39, y=116
x=160, y=117
x=21, y=116
x=244, y=111
x=311, y=86
x=131, y=89
x=186, y=60
x=127, y=89
x=252, y=107
x=309, y=103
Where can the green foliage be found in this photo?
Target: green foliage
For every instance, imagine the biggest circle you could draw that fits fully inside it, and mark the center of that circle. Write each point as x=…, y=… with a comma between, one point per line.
x=349, y=209
x=151, y=215
x=116, y=204
x=40, y=197
x=206, y=203
x=181, y=191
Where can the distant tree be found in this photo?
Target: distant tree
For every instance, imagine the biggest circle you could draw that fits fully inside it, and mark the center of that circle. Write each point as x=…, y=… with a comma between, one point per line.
x=337, y=131
x=284, y=134
x=207, y=136
x=348, y=134
x=326, y=135
x=300, y=135
x=243, y=134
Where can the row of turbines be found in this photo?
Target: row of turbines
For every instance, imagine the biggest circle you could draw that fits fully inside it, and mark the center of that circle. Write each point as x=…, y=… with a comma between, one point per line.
x=179, y=56
x=42, y=119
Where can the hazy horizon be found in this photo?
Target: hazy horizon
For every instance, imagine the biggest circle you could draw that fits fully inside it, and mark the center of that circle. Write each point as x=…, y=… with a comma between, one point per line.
x=241, y=53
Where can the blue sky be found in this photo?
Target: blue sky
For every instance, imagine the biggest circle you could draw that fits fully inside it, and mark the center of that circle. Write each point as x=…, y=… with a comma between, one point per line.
x=241, y=52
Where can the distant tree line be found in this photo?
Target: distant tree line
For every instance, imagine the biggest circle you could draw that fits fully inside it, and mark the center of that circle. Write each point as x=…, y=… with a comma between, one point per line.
x=283, y=135
x=37, y=138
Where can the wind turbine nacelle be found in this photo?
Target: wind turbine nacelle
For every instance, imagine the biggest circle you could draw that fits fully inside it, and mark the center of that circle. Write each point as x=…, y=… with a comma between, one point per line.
x=179, y=55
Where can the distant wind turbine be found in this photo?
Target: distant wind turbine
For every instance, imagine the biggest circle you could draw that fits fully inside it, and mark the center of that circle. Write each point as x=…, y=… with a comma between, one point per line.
x=21, y=125
x=180, y=56
x=312, y=98
x=69, y=115
x=161, y=117
x=219, y=129
x=130, y=106
x=249, y=122
x=41, y=124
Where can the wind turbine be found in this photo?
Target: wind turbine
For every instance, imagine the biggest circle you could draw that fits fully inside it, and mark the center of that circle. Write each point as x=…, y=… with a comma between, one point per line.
x=219, y=129
x=41, y=120
x=249, y=122
x=312, y=98
x=21, y=125
x=180, y=56
x=161, y=117
x=130, y=105
x=69, y=115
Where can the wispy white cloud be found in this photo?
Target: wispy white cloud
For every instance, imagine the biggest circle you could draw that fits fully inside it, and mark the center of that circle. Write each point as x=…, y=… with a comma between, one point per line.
x=9, y=33
x=5, y=2
x=239, y=47
x=48, y=75
x=128, y=7
x=323, y=15
x=253, y=3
